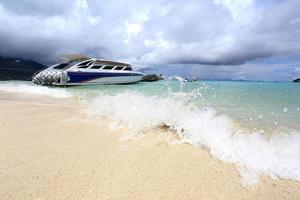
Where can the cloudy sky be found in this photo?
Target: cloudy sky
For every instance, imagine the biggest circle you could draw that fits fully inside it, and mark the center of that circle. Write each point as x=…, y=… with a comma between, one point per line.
x=209, y=39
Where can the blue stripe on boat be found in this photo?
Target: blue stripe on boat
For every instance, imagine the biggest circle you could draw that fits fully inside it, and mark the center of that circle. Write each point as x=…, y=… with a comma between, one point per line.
x=77, y=77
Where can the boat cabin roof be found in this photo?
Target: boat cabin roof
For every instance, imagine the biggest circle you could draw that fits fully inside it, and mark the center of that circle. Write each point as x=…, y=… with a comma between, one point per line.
x=109, y=62
x=72, y=58
x=93, y=63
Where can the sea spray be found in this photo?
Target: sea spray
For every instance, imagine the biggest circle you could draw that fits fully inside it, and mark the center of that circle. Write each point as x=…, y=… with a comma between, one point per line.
x=254, y=154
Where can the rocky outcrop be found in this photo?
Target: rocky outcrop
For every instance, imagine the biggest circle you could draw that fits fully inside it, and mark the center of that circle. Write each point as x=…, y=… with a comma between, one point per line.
x=297, y=80
x=152, y=77
x=18, y=69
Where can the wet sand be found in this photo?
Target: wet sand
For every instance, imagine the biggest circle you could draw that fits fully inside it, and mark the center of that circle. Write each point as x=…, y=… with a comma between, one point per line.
x=50, y=150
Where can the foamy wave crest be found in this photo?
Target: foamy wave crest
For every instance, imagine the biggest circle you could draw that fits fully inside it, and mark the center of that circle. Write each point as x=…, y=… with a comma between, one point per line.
x=254, y=154
x=27, y=88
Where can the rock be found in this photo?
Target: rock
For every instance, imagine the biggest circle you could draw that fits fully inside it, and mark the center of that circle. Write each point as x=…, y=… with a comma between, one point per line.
x=18, y=69
x=297, y=80
x=152, y=77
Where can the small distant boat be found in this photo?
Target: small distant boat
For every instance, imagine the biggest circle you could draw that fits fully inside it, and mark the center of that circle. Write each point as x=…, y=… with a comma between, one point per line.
x=80, y=70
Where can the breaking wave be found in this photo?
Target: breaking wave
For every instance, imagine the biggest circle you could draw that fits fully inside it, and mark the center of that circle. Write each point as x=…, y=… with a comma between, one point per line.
x=254, y=154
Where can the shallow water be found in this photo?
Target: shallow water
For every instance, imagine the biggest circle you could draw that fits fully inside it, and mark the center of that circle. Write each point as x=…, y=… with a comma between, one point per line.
x=255, y=125
x=263, y=106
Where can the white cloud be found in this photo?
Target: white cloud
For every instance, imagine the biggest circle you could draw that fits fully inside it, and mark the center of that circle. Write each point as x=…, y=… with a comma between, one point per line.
x=237, y=8
x=81, y=4
x=134, y=29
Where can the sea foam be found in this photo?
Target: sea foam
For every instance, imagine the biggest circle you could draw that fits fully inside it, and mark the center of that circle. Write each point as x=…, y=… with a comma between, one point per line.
x=28, y=88
x=254, y=154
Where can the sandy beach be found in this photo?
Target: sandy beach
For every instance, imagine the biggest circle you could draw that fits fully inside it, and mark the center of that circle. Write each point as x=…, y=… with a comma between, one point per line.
x=50, y=149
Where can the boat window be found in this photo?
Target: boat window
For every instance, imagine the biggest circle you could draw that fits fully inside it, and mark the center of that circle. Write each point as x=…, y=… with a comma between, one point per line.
x=83, y=67
x=96, y=67
x=108, y=67
x=118, y=68
x=128, y=68
x=85, y=63
x=65, y=65
x=60, y=66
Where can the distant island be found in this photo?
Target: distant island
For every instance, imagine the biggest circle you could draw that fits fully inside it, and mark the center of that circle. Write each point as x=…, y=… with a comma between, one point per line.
x=18, y=69
x=297, y=80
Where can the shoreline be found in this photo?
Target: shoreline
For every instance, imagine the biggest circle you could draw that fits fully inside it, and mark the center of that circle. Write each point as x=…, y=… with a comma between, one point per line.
x=49, y=150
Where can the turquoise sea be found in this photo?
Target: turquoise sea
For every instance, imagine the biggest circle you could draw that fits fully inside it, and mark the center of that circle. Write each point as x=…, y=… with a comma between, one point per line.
x=265, y=106
x=255, y=125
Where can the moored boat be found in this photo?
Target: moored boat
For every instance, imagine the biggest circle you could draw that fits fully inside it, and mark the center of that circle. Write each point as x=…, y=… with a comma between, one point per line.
x=84, y=71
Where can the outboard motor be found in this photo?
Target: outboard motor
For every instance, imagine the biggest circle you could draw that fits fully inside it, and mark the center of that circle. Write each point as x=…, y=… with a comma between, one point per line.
x=49, y=77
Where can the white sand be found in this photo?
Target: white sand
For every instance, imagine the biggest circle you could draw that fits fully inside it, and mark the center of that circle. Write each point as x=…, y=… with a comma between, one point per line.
x=48, y=150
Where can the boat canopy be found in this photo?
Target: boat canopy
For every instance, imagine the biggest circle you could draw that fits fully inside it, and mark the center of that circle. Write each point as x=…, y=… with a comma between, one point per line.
x=74, y=57
x=108, y=62
x=80, y=58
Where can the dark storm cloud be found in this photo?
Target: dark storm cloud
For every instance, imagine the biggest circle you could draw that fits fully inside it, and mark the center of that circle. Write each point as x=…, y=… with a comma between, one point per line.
x=38, y=7
x=220, y=32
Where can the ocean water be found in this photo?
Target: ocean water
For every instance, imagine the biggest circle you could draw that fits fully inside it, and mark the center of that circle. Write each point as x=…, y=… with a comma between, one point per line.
x=255, y=125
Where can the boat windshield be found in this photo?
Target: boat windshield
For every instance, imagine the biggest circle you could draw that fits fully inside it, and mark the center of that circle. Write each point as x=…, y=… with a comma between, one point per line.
x=65, y=65
x=128, y=68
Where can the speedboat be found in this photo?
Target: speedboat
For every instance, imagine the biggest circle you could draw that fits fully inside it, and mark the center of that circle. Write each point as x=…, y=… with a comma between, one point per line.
x=84, y=71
